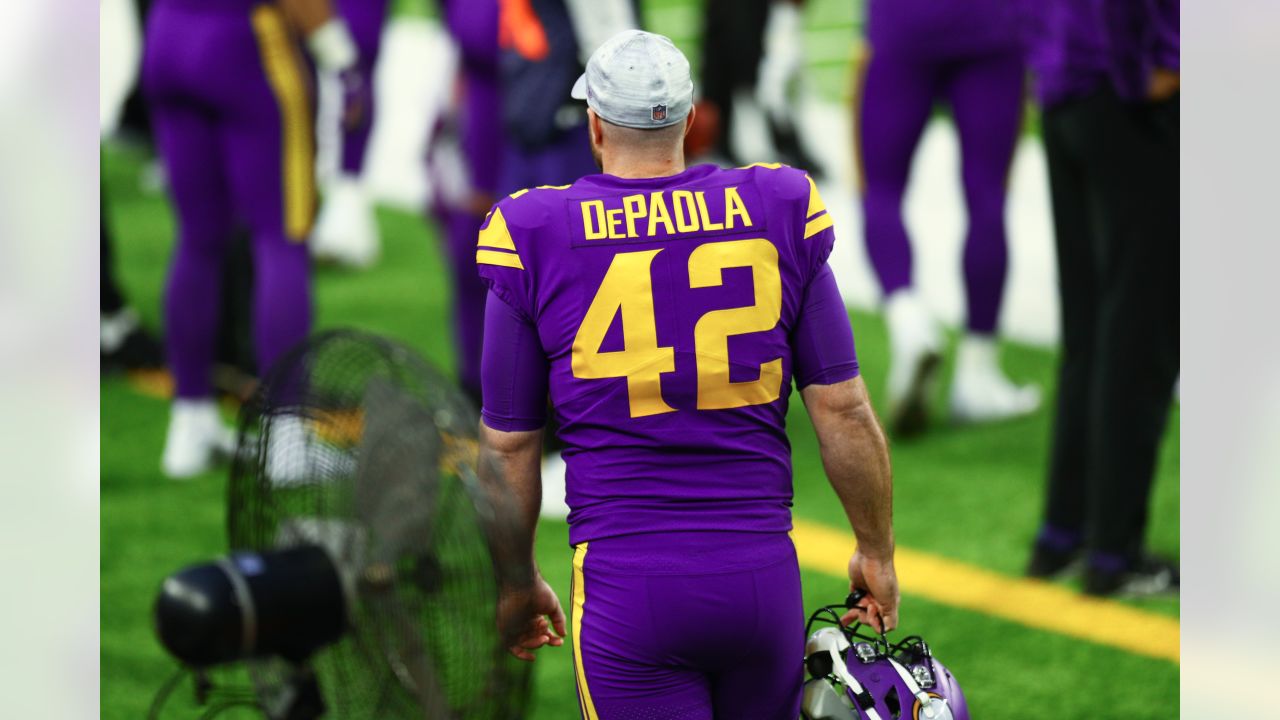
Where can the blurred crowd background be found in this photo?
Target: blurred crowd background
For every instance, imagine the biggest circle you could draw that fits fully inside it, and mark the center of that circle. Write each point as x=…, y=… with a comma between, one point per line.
x=1002, y=175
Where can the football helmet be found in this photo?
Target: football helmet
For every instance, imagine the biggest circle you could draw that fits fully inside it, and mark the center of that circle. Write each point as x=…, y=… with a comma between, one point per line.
x=858, y=675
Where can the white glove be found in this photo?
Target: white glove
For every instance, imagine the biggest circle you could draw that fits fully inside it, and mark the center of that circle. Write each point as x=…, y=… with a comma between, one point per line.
x=783, y=57
x=332, y=46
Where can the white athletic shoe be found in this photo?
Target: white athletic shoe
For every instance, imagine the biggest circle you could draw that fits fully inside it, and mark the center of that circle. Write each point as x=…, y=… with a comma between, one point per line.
x=553, y=502
x=915, y=344
x=296, y=455
x=196, y=440
x=346, y=232
x=980, y=391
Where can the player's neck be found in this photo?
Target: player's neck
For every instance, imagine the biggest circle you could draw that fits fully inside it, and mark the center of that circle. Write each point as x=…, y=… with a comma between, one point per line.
x=644, y=167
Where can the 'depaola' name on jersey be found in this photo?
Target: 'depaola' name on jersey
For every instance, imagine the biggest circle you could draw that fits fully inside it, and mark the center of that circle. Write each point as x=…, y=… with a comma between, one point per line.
x=663, y=213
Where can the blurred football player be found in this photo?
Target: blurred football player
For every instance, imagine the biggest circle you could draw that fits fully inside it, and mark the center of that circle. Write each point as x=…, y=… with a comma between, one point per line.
x=1108, y=78
x=668, y=309
x=544, y=46
x=346, y=230
x=230, y=102
x=124, y=343
x=968, y=54
x=753, y=50
x=465, y=162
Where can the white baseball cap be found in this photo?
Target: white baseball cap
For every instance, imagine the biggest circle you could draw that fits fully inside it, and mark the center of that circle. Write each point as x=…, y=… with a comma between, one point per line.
x=637, y=79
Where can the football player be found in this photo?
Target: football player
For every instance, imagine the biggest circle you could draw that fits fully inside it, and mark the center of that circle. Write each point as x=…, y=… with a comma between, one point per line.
x=465, y=162
x=968, y=54
x=544, y=46
x=229, y=99
x=1108, y=79
x=347, y=230
x=668, y=309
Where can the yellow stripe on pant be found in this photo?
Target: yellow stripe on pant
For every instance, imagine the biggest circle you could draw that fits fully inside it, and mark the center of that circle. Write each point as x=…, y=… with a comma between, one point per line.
x=579, y=602
x=285, y=75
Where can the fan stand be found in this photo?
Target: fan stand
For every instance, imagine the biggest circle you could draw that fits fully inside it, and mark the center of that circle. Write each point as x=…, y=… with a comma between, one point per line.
x=306, y=702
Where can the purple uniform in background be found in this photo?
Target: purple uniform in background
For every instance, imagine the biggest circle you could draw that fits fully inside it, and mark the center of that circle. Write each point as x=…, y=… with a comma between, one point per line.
x=228, y=94
x=364, y=19
x=668, y=318
x=477, y=126
x=1079, y=46
x=547, y=131
x=966, y=53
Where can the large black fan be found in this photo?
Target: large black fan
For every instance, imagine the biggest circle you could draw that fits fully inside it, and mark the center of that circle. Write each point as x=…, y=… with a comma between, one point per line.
x=366, y=543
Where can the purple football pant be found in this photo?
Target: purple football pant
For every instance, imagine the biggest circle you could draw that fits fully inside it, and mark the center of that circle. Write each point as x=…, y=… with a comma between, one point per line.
x=364, y=18
x=461, y=229
x=985, y=95
x=229, y=100
x=482, y=144
x=688, y=626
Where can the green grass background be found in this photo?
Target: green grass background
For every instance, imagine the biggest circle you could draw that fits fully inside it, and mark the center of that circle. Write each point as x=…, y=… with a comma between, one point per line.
x=972, y=494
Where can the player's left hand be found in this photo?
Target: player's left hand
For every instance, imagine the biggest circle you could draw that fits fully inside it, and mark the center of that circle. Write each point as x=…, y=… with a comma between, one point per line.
x=531, y=619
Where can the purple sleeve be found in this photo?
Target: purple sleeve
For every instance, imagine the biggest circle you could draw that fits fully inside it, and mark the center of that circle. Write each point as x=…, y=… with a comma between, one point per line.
x=1168, y=41
x=513, y=370
x=822, y=341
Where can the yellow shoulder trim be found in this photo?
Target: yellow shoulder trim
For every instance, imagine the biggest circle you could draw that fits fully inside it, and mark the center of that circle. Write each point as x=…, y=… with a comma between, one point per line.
x=553, y=187
x=493, y=257
x=817, y=225
x=496, y=234
x=518, y=193
x=770, y=166
x=815, y=200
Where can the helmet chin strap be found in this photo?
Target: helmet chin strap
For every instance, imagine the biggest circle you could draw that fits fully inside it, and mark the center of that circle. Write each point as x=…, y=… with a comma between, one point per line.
x=834, y=643
x=850, y=681
x=927, y=701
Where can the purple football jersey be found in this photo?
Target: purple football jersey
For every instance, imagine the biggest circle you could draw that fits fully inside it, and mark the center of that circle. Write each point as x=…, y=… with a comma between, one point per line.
x=665, y=308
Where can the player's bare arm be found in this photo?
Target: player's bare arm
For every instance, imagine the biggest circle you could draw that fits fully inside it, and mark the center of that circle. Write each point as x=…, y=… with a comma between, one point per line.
x=856, y=458
x=532, y=618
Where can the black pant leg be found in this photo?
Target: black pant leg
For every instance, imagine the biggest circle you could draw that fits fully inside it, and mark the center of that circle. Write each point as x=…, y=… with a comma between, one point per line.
x=732, y=46
x=1137, y=363
x=110, y=298
x=1065, y=501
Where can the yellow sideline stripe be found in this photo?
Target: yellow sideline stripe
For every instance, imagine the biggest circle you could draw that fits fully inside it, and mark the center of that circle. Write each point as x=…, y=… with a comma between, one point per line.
x=1036, y=604
x=284, y=74
x=580, y=602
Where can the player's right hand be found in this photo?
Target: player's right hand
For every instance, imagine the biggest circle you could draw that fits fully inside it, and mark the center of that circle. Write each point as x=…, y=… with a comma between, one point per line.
x=1163, y=83
x=877, y=577
x=531, y=618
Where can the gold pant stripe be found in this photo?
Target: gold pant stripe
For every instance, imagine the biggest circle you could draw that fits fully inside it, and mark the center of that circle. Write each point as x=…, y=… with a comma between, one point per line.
x=817, y=225
x=579, y=602
x=284, y=73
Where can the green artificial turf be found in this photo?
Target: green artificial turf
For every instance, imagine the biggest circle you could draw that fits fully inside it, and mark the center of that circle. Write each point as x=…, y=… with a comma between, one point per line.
x=968, y=493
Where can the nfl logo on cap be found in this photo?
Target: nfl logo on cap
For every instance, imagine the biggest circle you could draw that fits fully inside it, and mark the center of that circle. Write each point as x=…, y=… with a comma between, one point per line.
x=638, y=80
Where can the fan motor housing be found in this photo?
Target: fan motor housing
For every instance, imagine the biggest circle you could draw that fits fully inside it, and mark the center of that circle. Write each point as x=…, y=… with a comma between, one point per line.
x=283, y=603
